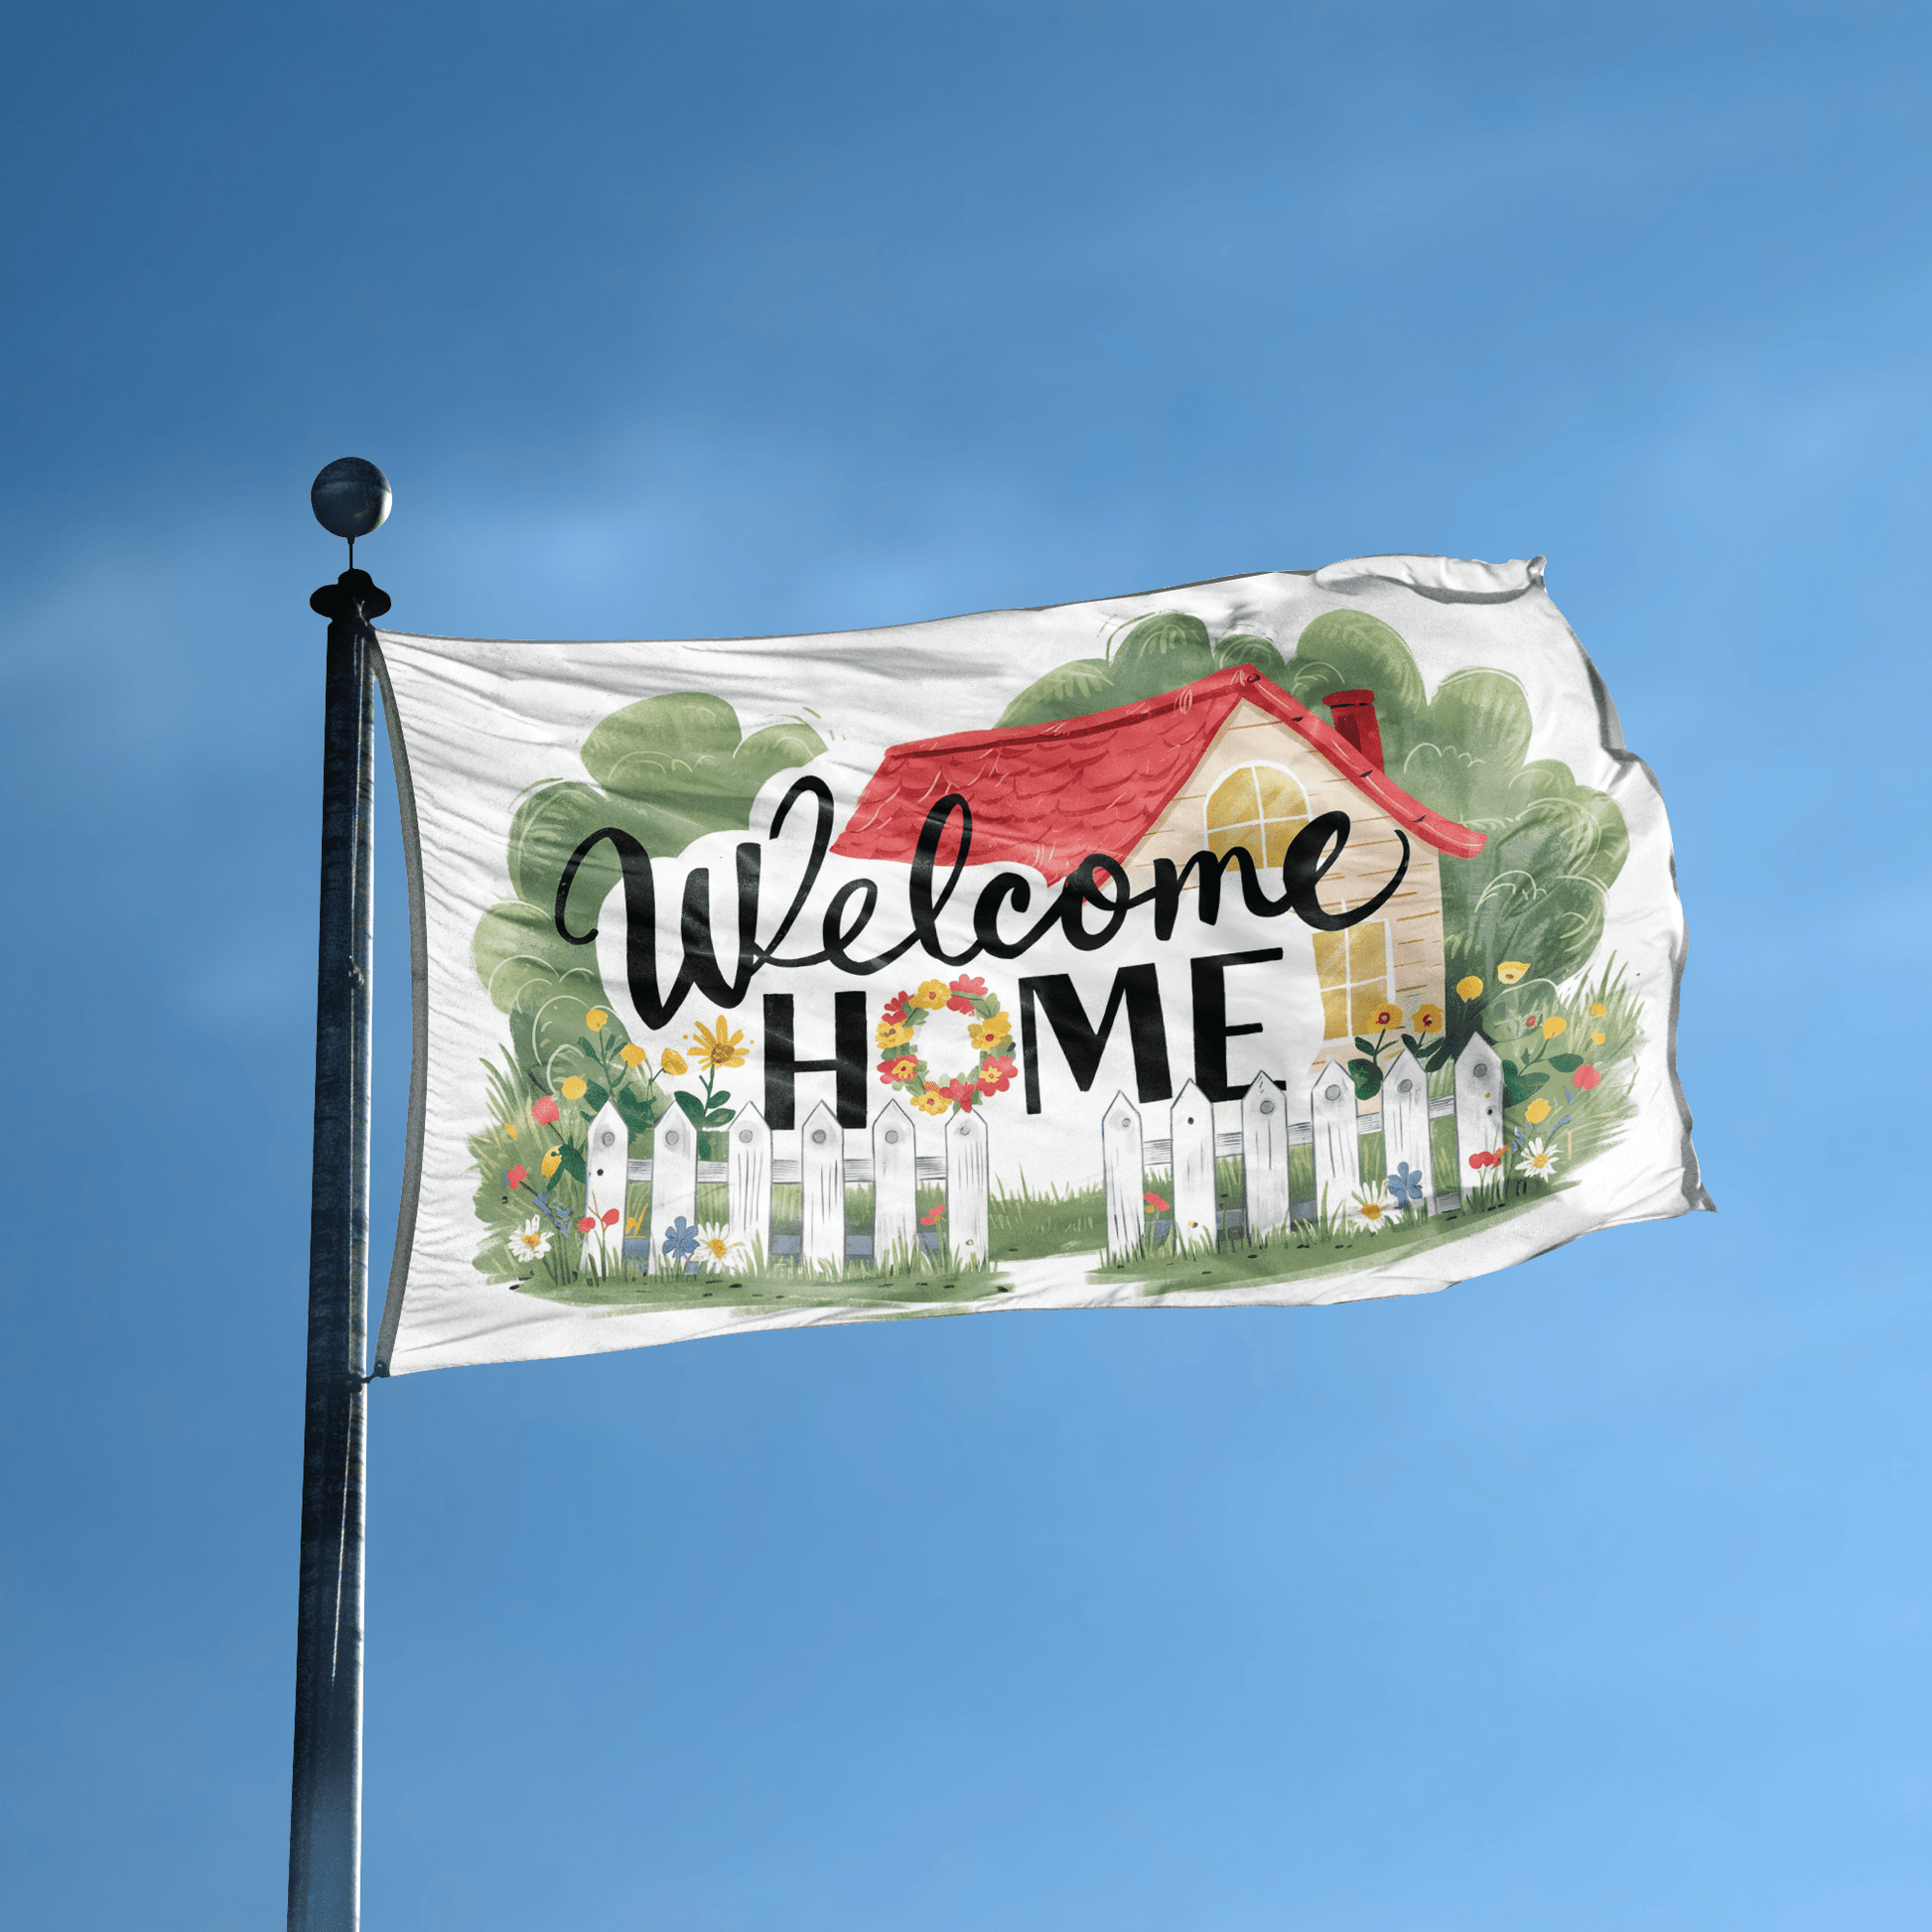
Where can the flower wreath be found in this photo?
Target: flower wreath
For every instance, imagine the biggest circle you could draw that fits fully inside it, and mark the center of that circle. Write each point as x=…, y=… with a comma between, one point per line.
x=990, y=1029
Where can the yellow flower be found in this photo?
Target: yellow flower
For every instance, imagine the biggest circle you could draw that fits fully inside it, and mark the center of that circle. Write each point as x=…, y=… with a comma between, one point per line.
x=1469, y=989
x=594, y=1018
x=671, y=1060
x=573, y=1088
x=552, y=1162
x=1598, y=1039
x=509, y=1127
x=932, y=995
x=1428, y=1020
x=715, y=1046
x=1386, y=1016
x=634, y=1224
x=1537, y=1110
x=890, y=1036
x=931, y=1101
x=989, y=1033
x=631, y=1053
x=1597, y=1011
x=1555, y=1025
x=1511, y=970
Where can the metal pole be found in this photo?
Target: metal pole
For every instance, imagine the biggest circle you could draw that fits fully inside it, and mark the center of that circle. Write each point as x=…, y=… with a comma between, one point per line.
x=326, y=1812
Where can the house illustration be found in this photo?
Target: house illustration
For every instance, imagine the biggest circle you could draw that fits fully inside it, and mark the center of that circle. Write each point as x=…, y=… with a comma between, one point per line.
x=1228, y=761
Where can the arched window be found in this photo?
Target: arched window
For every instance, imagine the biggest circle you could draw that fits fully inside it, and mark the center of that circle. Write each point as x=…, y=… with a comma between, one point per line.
x=1259, y=807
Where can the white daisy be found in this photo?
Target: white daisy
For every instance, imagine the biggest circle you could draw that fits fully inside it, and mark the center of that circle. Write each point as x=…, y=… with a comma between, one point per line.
x=531, y=1242
x=1372, y=1212
x=1538, y=1159
x=718, y=1250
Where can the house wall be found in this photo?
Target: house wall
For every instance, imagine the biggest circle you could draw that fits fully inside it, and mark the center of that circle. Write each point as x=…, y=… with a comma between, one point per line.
x=1415, y=913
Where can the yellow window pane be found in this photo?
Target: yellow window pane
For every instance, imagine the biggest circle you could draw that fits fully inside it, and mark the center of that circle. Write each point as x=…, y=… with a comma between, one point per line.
x=1279, y=795
x=1368, y=952
x=1362, y=1003
x=1330, y=965
x=1234, y=801
x=1281, y=835
x=1222, y=842
x=1334, y=1010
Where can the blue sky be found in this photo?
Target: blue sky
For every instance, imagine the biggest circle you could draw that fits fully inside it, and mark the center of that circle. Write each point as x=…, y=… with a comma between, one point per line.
x=1593, y=1593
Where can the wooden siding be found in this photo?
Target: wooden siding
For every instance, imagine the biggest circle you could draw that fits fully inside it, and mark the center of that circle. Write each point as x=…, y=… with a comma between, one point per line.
x=1414, y=916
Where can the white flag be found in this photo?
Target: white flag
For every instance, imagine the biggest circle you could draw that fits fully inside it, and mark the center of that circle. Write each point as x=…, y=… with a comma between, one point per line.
x=1285, y=939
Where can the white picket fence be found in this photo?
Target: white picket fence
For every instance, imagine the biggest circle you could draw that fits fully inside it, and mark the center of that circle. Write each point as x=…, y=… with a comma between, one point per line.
x=1334, y=1128
x=823, y=1168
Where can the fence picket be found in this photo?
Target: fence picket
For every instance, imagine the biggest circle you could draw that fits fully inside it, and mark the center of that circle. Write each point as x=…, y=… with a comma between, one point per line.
x=1337, y=1144
x=1478, y=1106
x=968, y=1183
x=895, y=1184
x=1192, y=1134
x=1126, y=1177
x=1405, y=1124
x=747, y=1182
x=1264, y=1157
x=674, y=1185
x=822, y=1169
x=607, y=1174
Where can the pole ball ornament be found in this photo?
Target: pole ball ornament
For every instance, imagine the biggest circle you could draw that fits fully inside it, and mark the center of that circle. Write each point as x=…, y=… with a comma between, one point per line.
x=350, y=497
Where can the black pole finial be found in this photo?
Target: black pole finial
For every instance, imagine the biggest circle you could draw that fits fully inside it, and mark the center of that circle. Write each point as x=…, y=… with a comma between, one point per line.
x=350, y=497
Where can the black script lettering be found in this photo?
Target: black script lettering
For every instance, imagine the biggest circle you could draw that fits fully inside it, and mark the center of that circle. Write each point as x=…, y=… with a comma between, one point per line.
x=699, y=967
x=782, y=1066
x=1308, y=860
x=1005, y=886
x=1084, y=1043
x=1211, y=1029
x=1082, y=888
x=925, y=911
x=821, y=844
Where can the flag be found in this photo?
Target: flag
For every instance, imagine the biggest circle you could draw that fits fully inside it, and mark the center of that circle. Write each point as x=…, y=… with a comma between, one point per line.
x=1286, y=939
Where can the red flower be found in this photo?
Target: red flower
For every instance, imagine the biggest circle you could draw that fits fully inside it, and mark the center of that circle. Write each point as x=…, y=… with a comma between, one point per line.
x=543, y=1111
x=933, y=1216
x=962, y=1093
x=611, y=1218
x=1154, y=1201
x=1479, y=1161
x=517, y=1176
x=1531, y=1023
x=965, y=990
x=997, y=1074
x=586, y=1225
x=894, y=1013
x=1585, y=1078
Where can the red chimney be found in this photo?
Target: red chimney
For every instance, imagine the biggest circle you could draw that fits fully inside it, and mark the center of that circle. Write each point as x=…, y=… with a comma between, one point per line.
x=1354, y=716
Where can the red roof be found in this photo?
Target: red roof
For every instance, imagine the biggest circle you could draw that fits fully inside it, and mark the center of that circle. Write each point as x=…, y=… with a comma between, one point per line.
x=1047, y=795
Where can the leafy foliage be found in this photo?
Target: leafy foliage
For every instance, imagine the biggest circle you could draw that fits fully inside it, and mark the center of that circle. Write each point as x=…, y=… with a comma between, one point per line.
x=667, y=771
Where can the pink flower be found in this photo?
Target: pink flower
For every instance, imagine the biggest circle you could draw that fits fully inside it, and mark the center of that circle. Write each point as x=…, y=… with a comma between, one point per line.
x=517, y=1176
x=1585, y=1078
x=586, y=1225
x=611, y=1218
x=1480, y=1161
x=544, y=1111
x=1154, y=1201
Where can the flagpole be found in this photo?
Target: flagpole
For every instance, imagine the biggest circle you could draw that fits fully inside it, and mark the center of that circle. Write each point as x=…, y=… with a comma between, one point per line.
x=326, y=1797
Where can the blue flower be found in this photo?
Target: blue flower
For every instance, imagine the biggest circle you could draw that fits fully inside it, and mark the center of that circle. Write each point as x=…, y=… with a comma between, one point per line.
x=680, y=1240
x=1405, y=1187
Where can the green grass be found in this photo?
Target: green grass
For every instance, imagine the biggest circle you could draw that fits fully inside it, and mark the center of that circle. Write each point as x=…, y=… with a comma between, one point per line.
x=1326, y=1246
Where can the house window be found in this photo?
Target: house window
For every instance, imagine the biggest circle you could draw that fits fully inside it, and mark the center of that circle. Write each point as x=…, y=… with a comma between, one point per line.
x=1352, y=970
x=1259, y=807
